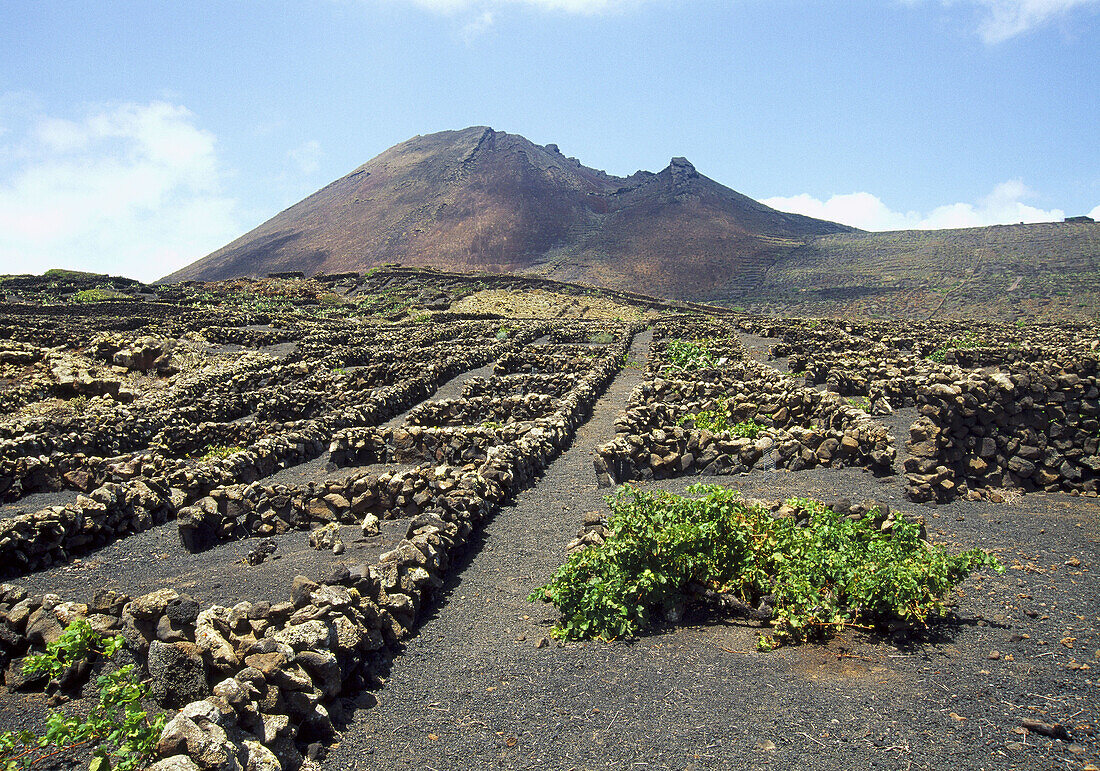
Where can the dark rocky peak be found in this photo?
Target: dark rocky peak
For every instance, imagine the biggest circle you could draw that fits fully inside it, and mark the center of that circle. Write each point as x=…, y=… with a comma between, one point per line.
x=682, y=171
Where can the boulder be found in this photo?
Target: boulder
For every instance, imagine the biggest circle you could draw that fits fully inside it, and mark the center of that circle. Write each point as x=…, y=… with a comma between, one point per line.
x=177, y=673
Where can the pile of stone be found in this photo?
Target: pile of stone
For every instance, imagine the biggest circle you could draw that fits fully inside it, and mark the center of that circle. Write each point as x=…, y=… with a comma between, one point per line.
x=798, y=427
x=1035, y=427
x=477, y=410
x=56, y=534
x=256, y=681
x=544, y=362
x=518, y=385
x=143, y=353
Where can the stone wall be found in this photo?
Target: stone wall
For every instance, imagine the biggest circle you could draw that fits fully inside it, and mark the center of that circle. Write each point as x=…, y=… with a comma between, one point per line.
x=256, y=681
x=1035, y=427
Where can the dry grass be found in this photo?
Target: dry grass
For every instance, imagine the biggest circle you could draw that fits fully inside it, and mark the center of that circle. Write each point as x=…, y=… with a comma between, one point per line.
x=540, y=304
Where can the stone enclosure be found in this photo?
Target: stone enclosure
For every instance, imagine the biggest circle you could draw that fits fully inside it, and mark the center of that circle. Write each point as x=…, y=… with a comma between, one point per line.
x=296, y=408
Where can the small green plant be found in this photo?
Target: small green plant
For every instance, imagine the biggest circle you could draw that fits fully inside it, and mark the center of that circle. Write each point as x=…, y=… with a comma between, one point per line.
x=78, y=404
x=490, y=425
x=968, y=341
x=122, y=733
x=97, y=295
x=503, y=332
x=601, y=338
x=78, y=641
x=717, y=422
x=689, y=355
x=218, y=451
x=421, y=318
x=818, y=571
x=859, y=402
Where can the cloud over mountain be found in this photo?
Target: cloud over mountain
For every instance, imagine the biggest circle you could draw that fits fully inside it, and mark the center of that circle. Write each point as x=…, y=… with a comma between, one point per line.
x=135, y=186
x=1003, y=206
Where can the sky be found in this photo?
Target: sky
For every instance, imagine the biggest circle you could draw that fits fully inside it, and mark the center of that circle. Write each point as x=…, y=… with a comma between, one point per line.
x=136, y=136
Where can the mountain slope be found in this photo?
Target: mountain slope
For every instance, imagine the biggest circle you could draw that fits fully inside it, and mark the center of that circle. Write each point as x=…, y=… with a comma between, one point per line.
x=484, y=200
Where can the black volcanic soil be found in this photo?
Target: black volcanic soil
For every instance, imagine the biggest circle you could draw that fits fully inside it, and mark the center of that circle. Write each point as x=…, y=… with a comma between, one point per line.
x=478, y=688
x=474, y=689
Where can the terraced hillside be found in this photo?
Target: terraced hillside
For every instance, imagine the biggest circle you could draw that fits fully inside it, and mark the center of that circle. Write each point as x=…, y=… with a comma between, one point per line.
x=305, y=523
x=1047, y=270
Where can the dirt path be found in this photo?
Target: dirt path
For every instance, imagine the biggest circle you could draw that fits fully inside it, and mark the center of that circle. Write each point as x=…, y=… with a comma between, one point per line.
x=474, y=689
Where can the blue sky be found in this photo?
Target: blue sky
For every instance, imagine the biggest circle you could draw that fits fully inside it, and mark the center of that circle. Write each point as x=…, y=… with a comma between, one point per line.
x=137, y=135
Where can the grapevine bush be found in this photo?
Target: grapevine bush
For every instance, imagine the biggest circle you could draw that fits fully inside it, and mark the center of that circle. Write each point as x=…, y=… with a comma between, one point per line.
x=688, y=355
x=717, y=421
x=817, y=570
x=124, y=735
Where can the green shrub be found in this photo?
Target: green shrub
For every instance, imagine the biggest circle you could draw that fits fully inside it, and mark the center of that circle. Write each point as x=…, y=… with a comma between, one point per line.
x=120, y=730
x=689, y=355
x=601, y=338
x=819, y=571
x=217, y=451
x=859, y=402
x=968, y=341
x=717, y=422
x=98, y=295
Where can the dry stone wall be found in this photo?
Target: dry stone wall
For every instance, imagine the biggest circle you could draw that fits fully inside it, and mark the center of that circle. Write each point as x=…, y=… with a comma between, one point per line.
x=795, y=427
x=255, y=682
x=1035, y=427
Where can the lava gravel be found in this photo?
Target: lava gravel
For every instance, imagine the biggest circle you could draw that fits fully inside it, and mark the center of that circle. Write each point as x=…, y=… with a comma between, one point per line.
x=483, y=685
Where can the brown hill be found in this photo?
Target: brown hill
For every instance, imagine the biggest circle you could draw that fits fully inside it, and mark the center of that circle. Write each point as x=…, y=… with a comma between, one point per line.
x=1044, y=269
x=484, y=200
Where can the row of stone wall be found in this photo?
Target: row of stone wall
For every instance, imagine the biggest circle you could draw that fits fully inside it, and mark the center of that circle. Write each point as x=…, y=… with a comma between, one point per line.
x=801, y=428
x=36, y=540
x=255, y=678
x=1036, y=427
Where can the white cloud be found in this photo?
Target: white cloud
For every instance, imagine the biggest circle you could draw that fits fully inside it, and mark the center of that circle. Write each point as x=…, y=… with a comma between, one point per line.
x=1004, y=19
x=129, y=189
x=306, y=156
x=1095, y=213
x=587, y=7
x=477, y=26
x=866, y=211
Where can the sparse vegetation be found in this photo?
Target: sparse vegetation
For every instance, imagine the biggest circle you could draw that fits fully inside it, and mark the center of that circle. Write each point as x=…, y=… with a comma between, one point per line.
x=859, y=402
x=64, y=273
x=717, y=422
x=964, y=342
x=123, y=735
x=217, y=452
x=97, y=295
x=689, y=355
